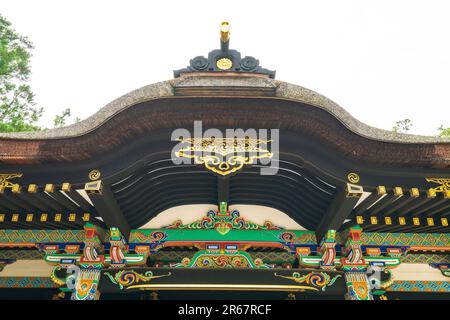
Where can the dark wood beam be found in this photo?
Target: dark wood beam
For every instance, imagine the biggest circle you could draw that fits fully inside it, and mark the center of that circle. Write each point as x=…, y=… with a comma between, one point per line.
x=339, y=209
x=107, y=207
x=223, y=189
x=370, y=200
x=68, y=189
x=11, y=197
x=59, y=197
x=38, y=192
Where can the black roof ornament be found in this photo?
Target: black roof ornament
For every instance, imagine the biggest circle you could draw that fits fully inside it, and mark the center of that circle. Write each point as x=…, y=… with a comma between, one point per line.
x=225, y=59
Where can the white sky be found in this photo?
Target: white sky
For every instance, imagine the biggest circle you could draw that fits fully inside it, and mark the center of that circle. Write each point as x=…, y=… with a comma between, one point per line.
x=381, y=60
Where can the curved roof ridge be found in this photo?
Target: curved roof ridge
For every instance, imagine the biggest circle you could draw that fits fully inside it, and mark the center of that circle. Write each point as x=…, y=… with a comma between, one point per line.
x=165, y=89
x=298, y=93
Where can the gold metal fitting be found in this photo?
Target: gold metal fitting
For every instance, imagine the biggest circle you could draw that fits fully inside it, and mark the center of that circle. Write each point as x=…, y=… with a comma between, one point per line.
x=353, y=191
x=94, y=187
x=414, y=192
x=431, y=193
x=32, y=188
x=16, y=188
x=225, y=32
x=94, y=174
x=353, y=177
x=50, y=188
x=66, y=187
x=381, y=190
x=398, y=191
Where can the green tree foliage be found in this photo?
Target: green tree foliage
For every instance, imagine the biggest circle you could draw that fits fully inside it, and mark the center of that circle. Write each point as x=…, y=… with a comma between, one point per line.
x=60, y=121
x=402, y=126
x=17, y=107
x=444, y=132
x=18, y=111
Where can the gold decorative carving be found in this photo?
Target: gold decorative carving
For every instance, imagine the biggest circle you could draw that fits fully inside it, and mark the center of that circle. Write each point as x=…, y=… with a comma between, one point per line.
x=94, y=174
x=224, y=155
x=5, y=177
x=353, y=177
x=444, y=184
x=224, y=64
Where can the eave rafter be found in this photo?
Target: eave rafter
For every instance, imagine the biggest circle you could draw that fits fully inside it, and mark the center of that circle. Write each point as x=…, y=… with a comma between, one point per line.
x=46, y=206
x=400, y=210
x=107, y=206
x=340, y=209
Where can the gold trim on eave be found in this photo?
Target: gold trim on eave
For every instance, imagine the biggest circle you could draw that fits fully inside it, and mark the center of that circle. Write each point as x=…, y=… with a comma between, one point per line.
x=224, y=155
x=444, y=184
x=5, y=177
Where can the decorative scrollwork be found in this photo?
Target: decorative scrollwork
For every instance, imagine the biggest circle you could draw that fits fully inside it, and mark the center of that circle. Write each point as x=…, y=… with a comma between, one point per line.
x=5, y=177
x=158, y=235
x=249, y=63
x=444, y=184
x=353, y=177
x=224, y=155
x=317, y=280
x=94, y=174
x=199, y=63
x=223, y=223
x=127, y=278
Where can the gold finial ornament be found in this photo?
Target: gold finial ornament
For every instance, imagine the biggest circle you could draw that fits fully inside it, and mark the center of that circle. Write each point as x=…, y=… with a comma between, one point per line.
x=94, y=174
x=224, y=64
x=225, y=32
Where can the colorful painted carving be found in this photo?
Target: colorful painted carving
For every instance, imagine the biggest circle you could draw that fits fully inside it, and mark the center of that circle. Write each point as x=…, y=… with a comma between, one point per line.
x=420, y=286
x=328, y=251
x=27, y=282
x=40, y=236
x=406, y=239
x=127, y=278
x=358, y=286
x=223, y=222
x=315, y=280
x=208, y=259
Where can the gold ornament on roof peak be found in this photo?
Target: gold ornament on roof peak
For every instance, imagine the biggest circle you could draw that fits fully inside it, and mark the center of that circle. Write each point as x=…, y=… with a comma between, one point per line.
x=224, y=64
